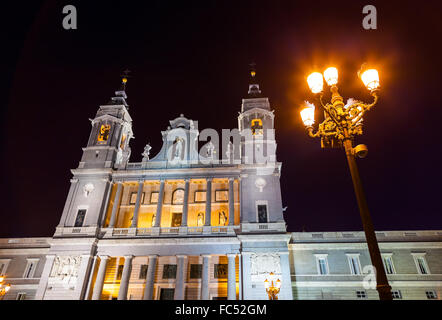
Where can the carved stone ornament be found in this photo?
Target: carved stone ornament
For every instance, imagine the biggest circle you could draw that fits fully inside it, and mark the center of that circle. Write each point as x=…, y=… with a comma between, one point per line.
x=65, y=270
x=87, y=189
x=260, y=183
x=261, y=264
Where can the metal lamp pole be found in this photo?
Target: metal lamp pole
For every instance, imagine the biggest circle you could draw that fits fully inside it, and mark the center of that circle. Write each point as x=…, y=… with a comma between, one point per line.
x=341, y=124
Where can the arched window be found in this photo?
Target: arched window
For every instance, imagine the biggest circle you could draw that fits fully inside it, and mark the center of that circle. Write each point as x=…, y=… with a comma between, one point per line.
x=178, y=196
x=256, y=127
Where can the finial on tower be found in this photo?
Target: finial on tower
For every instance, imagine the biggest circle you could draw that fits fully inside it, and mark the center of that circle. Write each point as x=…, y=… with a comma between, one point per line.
x=253, y=87
x=124, y=77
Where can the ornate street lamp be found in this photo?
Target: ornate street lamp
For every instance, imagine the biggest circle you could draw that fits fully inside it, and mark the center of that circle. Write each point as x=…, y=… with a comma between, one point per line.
x=4, y=288
x=342, y=122
x=272, y=287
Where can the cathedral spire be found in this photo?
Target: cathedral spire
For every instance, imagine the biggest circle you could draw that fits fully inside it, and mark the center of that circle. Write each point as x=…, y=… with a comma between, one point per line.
x=253, y=86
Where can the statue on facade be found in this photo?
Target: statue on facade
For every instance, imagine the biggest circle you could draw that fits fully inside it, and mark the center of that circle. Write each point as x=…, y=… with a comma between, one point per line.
x=200, y=219
x=178, y=148
x=146, y=152
x=222, y=218
x=210, y=150
x=153, y=220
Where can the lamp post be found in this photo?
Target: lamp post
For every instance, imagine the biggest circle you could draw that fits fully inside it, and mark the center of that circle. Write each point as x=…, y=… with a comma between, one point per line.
x=342, y=122
x=272, y=287
x=4, y=288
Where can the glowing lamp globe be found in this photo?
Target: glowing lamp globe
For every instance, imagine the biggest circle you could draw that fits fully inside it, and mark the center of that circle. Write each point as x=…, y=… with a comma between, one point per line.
x=308, y=114
x=331, y=76
x=8, y=286
x=315, y=82
x=278, y=284
x=370, y=78
x=266, y=283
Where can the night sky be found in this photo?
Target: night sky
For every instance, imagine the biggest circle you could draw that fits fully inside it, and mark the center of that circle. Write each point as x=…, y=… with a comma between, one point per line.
x=192, y=57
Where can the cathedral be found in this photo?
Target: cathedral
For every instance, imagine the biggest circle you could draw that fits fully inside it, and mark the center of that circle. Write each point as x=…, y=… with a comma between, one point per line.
x=192, y=223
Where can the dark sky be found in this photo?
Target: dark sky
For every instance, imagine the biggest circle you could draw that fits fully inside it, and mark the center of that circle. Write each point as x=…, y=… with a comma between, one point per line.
x=192, y=57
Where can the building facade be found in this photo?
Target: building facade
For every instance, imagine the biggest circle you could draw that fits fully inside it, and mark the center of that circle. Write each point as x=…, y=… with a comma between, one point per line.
x=199, y=223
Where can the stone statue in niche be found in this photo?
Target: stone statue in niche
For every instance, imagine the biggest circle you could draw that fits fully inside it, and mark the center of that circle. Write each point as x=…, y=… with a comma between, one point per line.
x=153, y=220
x=229, y=152
x=264, y=263
x=178, y=148
x=222, y=218
x=146, y=152
x=210, y=150
x=200, y=219
x=65, y=269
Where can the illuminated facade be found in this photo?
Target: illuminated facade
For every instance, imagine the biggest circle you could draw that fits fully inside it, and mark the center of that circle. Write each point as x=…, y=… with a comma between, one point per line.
x=195, y=224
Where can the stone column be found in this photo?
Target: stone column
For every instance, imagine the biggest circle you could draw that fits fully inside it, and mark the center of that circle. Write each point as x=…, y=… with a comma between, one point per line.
x=82, y=279
x=185, y=204
x=90, y=277
x=208, y=203
x=116, y=205
x=44, y=277
x=99, y=281
x=205, y=277
x=150, y=278
x=286, y=292
x=159, y=205
x=231, y=277
x=180, y=277
x=231, y=202
x=124, y=283
x=246, y=278
x=137, y=205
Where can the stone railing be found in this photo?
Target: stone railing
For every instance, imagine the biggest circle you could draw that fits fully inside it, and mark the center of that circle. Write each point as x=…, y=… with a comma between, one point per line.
x=75, y=231
x=167, y=231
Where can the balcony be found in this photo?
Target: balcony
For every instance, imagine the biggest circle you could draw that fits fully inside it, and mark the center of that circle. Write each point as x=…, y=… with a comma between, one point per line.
x=107, y=233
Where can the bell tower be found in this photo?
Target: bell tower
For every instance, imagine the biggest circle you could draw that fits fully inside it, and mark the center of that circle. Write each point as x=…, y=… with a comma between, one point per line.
x=108, y=144
x=256, y=126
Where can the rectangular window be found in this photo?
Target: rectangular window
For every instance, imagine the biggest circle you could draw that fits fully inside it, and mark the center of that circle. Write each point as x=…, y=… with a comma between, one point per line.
x=388, y=264
x=133, y=197
x=396, y=294
x=262, y=213
x=21, y=296
x=421, y=263
x=169, y=271
x=167, y=294
x=222, y=195
x=3, y=266
x=431, y=294
x=30, y=268
x=154, y=197
x=79, y=220
x=220, y=271
x=143, y=271
x=355, y=265
x=200, y=196
x=361, y=294
x=322, y=264
x=196, y=271
x=120, y=271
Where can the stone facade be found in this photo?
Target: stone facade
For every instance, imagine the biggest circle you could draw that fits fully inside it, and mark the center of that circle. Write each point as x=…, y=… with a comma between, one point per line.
x=196, y=224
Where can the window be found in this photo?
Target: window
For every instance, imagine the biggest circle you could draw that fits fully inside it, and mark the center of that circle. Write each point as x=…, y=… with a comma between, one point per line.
x=154, y=197
x=322, y=264
x=3, y=266
x=120, y=271
x=167, y=294
x=79, y=220
x=220, y=271
x=200, y=196
x=361, y=294
x=169, y=271
x=143, y=271
x=221, y=195
x=133, y=197
x=178, y=196
x=196, y=271
x=262, y=213
x=354, y=263
x=396, y=294
x=431, y=294
x=219, y=298
x=103, y=134
x=388, y=263
x=421, y=263
x=256, y=127
x=21, y=296
x=30, y=268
